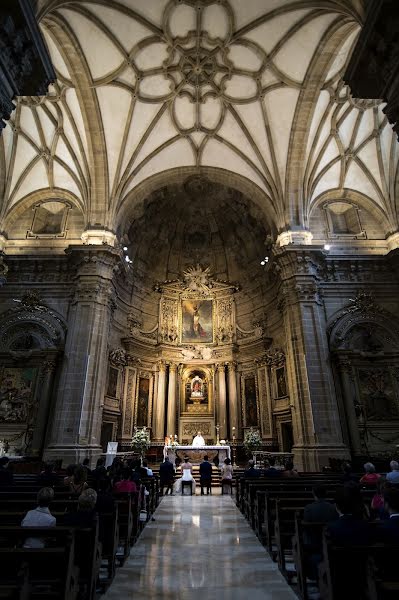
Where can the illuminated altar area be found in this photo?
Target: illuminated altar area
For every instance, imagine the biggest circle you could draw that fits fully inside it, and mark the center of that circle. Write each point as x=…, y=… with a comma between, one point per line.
x=195, y=370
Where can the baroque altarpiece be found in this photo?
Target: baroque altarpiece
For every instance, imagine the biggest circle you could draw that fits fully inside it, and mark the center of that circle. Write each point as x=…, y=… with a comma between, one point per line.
x=197, y=369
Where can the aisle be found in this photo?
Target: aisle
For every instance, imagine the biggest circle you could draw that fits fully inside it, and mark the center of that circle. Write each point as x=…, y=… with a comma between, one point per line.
x=199, y=548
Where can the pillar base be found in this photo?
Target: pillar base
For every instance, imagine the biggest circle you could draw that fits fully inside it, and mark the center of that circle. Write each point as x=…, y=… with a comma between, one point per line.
x=315, y=457
x=72, y=454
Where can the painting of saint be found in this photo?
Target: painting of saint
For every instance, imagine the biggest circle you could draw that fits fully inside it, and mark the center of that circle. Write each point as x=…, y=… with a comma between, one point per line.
x=16, y=393
x=251, y=409
x=112, y=387
x=142, y=402
x=281, y=384
x=197, y=324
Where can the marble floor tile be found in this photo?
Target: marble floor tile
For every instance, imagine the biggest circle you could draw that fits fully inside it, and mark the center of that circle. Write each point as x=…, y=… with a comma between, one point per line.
x=198, y=548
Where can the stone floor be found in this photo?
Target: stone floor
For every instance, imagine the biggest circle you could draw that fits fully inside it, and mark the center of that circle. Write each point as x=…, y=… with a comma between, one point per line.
x=199, y=547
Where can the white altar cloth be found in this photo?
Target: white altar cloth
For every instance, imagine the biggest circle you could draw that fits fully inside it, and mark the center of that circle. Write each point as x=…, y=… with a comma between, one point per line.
x=196, y=454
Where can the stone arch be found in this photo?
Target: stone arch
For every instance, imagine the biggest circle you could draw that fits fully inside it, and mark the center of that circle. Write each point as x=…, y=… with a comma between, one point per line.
x=38, y=196
x=345, y=325
x=126, y=206
x=305, y=108
x=350, y=195
x=24, y=330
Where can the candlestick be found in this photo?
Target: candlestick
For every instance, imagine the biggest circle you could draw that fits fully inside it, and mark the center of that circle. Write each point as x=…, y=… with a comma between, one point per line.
x=217, y=435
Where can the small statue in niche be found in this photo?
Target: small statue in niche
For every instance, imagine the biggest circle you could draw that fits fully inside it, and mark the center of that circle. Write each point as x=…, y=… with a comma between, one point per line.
x=197, y=387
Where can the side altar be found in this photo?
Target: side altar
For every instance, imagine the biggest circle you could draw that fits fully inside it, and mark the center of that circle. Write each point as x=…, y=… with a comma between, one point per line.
x=196, y=455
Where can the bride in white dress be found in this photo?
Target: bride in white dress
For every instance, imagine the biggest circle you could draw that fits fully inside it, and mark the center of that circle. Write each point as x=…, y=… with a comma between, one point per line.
x=186, y=469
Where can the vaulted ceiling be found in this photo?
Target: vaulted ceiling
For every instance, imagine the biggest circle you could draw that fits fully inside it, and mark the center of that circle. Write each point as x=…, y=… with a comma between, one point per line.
x=252, y=88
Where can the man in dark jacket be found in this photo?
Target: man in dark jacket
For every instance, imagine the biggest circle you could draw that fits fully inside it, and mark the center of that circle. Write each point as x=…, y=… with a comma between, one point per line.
x=349, y=527
x=206, y=476
x=166, y=476
x=320, y=511
x=252, y=471
x=388, y=530
x=6, y=476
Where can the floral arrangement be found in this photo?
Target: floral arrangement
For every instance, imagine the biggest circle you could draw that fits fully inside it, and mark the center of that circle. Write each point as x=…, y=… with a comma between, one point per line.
x=141, y=440
x=252, y=440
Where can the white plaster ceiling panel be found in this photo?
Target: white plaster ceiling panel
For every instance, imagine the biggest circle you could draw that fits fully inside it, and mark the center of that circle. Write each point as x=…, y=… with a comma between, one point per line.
x=216, y=83
x=357, y=132
x=295, y=55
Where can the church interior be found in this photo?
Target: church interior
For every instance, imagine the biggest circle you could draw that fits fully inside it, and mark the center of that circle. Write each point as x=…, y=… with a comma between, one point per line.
x=199, y=232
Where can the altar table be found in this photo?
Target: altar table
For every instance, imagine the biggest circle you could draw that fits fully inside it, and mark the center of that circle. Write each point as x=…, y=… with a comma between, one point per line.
x=196, y=455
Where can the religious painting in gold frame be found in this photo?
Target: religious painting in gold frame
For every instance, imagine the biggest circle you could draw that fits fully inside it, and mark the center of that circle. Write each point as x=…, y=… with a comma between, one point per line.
x=197, y=321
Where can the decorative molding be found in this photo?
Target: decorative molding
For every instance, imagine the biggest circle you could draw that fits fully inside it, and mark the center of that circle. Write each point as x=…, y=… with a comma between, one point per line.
x=117, y=357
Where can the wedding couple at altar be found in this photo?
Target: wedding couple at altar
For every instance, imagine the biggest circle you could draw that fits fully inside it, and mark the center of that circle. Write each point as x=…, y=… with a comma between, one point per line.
x=205, y=471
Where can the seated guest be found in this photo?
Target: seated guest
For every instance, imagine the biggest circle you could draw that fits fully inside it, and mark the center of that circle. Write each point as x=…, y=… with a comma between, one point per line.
x=77, y=483
x=348, y=475
x=289, y=470
x=69, y=471
x=205, y=475
x=39, y=517
x=349, y=528
x=85, y=516
x=100, y=472
x=86, y=465
x=320, y=511
x=371, y=477
x=251, y=471
x=166, y=476
x=271, y=471
x=105, y=500
x=125, y=484
x=6, y=476
x=378, y=501
x=147, y=468
x=48, y=477
x=388, y=530
x=393, y=476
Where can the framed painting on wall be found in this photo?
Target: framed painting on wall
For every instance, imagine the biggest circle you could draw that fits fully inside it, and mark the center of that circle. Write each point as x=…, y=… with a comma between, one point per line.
x=143, y=399
x=17, y=386
x=112, y=387
x=197, y=321
x=251, y=406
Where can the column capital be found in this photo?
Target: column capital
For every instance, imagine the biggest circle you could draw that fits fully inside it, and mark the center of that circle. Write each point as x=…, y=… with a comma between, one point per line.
x=221, y=367
x=161, y=366
x=232, y=366
x=172, y=367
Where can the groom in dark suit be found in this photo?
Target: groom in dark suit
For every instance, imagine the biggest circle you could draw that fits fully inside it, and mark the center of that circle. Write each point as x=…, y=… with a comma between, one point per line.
x=206, y=476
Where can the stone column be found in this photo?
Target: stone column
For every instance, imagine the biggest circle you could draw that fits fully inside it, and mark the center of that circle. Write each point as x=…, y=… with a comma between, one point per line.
x=233, y=405
x=316, y=422
x=349, y=412
x=159, y=411
x=77, y=419
x=222, y=414
x=47, y=371
x=3, y=268
x=171, y=420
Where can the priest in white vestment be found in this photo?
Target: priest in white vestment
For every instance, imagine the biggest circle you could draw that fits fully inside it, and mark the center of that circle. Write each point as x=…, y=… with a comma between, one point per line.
x=198, y=441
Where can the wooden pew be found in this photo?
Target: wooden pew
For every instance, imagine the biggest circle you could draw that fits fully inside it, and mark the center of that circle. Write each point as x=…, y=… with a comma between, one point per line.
x=50, y=569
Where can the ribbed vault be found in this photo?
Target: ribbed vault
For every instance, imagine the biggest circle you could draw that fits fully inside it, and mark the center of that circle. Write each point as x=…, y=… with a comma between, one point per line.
x=254, y=88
